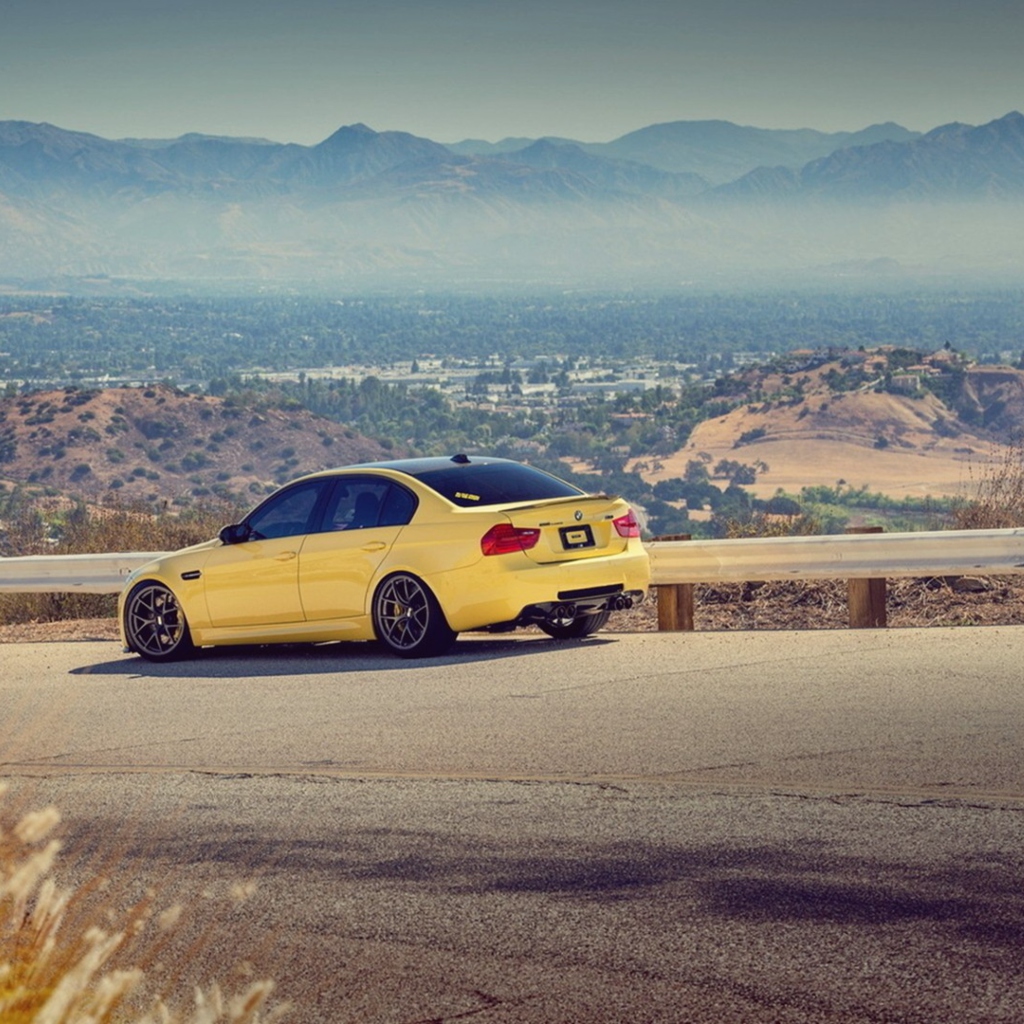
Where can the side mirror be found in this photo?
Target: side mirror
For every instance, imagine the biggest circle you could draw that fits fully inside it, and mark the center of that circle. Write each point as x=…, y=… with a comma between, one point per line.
x=236, y=533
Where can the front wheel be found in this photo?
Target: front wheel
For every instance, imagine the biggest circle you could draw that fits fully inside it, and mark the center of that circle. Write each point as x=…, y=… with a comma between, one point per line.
x=408, y=620
x=574, y=628
x=155, y=625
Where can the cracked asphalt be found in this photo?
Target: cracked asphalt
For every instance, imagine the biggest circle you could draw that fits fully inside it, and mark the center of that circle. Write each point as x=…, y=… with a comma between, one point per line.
x=712, y=827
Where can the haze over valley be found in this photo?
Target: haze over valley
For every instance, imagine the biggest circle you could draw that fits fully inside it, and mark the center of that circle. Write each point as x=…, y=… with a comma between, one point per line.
x=678, y=204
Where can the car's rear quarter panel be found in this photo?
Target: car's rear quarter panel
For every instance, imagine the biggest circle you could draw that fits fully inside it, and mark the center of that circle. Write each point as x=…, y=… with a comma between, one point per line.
x=498, y=588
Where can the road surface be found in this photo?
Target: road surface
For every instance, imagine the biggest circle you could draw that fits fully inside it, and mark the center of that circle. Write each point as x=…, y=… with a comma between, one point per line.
x=712, y=827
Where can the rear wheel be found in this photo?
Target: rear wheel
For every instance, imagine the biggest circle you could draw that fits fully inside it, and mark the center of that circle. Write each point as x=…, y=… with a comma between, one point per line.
x=574, y=628
x=155, y=625
x=408, y=620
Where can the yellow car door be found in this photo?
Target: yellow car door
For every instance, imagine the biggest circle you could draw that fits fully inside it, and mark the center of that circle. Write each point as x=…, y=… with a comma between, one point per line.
x=362, y=519
x=255, y=581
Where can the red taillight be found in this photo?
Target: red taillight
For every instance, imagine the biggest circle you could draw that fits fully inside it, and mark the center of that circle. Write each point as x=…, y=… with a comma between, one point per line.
x=627, y=526
x=506, y=538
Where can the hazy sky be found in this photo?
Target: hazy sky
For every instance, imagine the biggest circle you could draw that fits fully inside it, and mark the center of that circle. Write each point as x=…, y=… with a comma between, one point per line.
x=454, y=69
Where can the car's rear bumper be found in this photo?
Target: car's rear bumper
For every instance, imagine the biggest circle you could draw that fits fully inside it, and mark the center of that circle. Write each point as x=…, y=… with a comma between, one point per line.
x=515, y=589
x=572, y=605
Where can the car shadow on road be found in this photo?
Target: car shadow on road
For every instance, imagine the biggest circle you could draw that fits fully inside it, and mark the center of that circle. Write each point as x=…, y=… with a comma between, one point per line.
x=255, y=661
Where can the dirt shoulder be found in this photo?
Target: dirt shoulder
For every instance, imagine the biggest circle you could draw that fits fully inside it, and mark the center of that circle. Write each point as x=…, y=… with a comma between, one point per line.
x=63, y=631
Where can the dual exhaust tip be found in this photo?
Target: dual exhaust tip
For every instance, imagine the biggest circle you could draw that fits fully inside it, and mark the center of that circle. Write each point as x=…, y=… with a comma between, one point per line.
x=567, y=611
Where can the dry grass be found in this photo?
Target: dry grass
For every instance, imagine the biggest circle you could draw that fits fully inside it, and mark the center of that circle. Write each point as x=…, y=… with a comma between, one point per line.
x=822, y=604
x=998, y=502
x=800, y=454
x=61, y=967
x=760, y=524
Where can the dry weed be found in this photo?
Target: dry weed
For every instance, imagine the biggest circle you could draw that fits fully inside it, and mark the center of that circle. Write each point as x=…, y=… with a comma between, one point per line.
x=763, y=524
x=57, y=968
x=999, y=495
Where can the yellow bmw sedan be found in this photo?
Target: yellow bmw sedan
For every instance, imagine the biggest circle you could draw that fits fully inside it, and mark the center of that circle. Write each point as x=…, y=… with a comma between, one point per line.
x=410, y=553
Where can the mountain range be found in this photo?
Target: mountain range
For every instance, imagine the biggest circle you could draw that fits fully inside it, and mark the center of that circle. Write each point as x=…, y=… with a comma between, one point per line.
x=679, y=201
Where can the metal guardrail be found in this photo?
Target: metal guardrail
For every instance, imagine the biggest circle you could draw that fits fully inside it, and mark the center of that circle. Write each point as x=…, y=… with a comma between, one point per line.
x=846, y=556
x=75, y=574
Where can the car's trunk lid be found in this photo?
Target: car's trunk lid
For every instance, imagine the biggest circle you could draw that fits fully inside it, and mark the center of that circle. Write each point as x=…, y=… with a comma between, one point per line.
x=572, y=528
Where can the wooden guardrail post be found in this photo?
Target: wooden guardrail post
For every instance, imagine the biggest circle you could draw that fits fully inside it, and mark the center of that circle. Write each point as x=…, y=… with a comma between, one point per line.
x=866, y=598
x=675, y=600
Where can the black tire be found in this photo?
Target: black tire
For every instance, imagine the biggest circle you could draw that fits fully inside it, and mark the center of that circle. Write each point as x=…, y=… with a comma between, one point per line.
x=573, y=629
x=408, y=620
x=154, y=624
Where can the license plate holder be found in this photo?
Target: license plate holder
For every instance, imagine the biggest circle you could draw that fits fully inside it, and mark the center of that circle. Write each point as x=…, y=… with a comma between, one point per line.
x=576, y=537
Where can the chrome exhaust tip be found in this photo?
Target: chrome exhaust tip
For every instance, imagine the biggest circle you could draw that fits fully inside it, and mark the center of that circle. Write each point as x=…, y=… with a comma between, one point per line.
x=562, y=614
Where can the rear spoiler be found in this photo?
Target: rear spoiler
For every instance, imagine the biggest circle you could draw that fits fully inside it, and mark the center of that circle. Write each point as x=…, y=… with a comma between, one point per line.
x=519, y=506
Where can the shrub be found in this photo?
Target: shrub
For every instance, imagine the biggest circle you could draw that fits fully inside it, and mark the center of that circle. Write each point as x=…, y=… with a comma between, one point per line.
x=195, y=460
x=154, y=428
x=749, y=436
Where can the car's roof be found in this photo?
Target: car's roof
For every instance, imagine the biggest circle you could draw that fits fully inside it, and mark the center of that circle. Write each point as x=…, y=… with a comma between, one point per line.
x=413, y=467
x=476, y=482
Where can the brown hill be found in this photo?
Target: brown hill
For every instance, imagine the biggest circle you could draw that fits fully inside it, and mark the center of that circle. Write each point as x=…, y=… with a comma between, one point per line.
x=158, y=444
x=994, y=396
x=888, y=431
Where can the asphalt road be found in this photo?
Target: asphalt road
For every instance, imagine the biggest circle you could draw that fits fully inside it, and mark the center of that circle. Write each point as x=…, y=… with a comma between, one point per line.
x=754, y=827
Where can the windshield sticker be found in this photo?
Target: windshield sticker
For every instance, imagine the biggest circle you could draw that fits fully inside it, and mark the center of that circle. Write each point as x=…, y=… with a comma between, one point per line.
x=467, y=497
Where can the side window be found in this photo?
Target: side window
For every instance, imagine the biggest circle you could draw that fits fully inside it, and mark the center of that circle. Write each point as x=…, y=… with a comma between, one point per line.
x=398, y=508
x=286, y=514
x=355, y=503
x=362, y=502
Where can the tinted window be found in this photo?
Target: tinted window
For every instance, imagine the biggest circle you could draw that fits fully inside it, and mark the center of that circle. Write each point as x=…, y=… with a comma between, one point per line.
x=398, y=507
x=361, y=502
x=355, y=503
x=287, y=513
x=494, y=484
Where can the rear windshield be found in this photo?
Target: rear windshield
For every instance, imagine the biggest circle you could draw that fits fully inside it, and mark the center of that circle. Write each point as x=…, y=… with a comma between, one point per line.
x=481, y=484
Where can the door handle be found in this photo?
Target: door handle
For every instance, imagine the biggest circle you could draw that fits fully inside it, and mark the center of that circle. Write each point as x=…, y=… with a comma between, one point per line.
x=376, y=545
x=285, y=556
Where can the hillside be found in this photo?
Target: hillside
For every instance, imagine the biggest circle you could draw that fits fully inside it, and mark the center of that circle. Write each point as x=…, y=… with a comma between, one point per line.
x=158, y=444
x=894, y=420
x=863, y=419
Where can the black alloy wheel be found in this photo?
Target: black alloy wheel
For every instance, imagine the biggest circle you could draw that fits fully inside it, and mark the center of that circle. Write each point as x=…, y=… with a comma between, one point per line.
x=408, y=620
x=155, y=625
